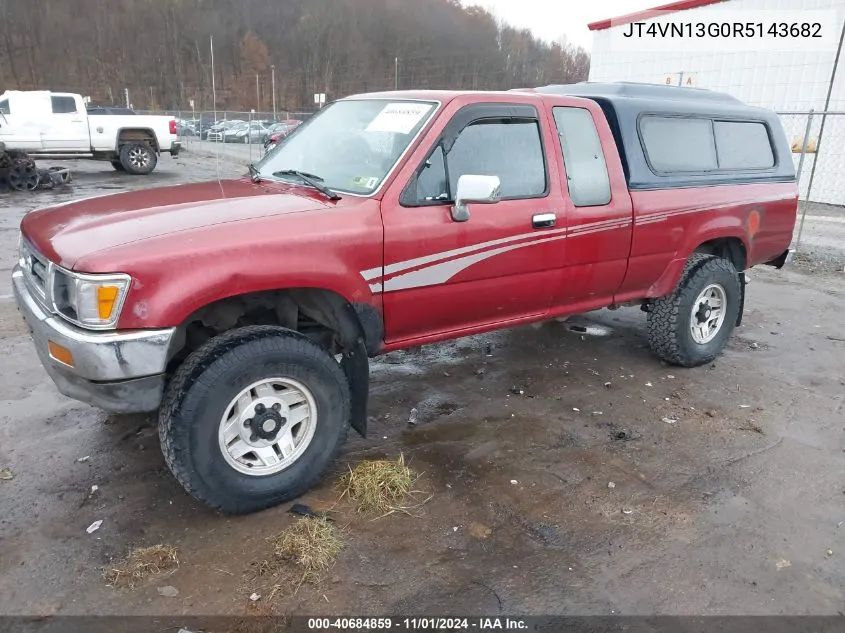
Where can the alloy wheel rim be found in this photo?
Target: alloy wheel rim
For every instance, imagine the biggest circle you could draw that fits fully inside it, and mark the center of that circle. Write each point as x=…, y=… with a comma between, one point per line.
x=708, y=314
x=268, y=426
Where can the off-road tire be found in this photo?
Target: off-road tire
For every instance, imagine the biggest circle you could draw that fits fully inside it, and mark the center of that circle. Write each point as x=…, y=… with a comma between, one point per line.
x=126, y=152
x=669, y=332
x=211, y=377
x=118, y=166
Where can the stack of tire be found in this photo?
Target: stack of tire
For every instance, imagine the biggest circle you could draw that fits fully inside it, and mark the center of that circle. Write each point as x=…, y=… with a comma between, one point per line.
x=19, y=173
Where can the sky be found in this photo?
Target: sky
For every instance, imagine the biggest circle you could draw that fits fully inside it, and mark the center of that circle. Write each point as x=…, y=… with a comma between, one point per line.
x=552, y=19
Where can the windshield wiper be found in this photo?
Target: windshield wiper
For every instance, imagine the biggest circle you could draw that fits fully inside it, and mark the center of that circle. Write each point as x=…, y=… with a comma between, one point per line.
x=309, y=179
x=254, y=173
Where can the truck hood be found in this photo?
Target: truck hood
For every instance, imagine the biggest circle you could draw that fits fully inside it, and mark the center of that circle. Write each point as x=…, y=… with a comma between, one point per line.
x=68, y=232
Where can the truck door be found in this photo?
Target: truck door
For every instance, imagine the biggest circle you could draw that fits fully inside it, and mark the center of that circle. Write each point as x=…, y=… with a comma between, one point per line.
x=66, y=128
x=501, y=265
x=599, y=212
x=20, y=122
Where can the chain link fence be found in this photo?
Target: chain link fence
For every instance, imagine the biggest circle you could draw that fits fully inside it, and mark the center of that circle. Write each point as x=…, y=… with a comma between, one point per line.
x=818, y=153
x=209, y=131
x=196, y=123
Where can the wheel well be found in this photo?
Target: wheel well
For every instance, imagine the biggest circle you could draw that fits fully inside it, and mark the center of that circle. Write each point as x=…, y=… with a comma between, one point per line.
x=730, y=248
x=136, y=136
x=321, y=315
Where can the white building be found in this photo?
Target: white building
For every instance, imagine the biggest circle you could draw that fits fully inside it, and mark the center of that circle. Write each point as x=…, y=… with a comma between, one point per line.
x=788, y=74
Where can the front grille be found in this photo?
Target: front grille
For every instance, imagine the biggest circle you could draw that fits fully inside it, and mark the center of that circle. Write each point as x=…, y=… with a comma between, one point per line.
x=35, y=268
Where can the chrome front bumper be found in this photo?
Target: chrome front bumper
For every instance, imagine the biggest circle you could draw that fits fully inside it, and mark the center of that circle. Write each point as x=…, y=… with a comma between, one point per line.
x=116, y=371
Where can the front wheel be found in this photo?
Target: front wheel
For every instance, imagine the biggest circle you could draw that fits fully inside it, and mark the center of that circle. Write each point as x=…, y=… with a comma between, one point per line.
x=691, y=326
x=254, y=418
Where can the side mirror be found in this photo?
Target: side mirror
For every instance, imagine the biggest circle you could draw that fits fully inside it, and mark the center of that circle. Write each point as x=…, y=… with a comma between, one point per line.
x=477, y=190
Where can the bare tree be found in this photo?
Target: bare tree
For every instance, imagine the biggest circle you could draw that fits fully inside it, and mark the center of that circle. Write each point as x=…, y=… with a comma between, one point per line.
x=159, y=49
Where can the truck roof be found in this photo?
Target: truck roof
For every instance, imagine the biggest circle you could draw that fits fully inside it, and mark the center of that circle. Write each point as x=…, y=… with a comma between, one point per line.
x=443, y=96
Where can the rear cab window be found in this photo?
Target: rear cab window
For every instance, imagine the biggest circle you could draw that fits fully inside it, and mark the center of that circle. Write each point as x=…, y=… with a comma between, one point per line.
x=685, y=144
x=63, y=105
x=586, y=170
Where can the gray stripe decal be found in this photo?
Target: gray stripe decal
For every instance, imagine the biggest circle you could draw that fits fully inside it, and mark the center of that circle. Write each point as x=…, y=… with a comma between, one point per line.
x=665, y=215
x=441, y=273
x=374, y=273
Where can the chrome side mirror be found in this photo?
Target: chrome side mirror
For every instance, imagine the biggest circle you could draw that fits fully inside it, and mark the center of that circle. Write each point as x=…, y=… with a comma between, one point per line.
x=476, y=190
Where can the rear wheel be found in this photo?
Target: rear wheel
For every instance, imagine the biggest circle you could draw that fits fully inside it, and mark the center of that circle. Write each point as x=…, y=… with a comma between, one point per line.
x=138, y=159
x=691, y=326
x=254, y=418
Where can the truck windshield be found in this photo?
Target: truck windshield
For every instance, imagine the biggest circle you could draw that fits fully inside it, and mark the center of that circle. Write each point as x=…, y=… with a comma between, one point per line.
x=351, y=145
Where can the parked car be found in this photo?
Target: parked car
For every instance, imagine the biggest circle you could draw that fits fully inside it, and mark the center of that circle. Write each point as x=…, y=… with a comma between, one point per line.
x=217, y=132
x=95, y=109
x=204, y=126
x=59, y=125
x=250, y=132
x=245, y=310
x=185, y=128
x=278, y=132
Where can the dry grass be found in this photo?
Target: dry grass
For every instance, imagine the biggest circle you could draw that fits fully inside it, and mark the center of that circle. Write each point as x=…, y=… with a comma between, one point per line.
x=312, y=544
x=140, y=563
x=379, y=486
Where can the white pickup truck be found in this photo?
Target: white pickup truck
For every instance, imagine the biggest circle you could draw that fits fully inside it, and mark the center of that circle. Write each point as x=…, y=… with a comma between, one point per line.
x=57, y=125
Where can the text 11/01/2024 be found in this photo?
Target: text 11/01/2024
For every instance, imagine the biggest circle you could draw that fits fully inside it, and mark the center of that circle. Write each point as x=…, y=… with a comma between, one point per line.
x=417, y=624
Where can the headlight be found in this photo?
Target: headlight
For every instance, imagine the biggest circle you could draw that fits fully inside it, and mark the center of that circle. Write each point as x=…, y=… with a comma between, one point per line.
x=92, y=301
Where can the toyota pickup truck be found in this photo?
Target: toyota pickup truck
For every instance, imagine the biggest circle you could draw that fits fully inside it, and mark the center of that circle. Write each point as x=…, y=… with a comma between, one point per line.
x=245, y=311
x=46, y=124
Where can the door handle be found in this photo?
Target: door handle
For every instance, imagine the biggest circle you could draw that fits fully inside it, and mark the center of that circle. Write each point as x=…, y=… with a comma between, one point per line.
x=543, y=220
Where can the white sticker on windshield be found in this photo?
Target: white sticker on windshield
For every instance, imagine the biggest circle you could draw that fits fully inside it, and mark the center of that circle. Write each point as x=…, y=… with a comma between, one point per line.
x=399, y=118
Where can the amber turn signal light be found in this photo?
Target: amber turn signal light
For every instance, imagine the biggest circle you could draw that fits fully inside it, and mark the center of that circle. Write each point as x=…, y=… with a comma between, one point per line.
x=59, y=353
x=106, y=298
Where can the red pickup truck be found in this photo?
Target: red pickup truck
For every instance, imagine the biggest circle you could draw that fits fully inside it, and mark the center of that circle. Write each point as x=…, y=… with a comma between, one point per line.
x=245, y=310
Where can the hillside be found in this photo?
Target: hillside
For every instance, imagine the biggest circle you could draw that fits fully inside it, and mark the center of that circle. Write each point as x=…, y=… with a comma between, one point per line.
x=159, y=50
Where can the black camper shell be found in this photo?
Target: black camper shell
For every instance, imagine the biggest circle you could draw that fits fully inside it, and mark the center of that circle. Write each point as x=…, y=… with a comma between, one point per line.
x=671, y=137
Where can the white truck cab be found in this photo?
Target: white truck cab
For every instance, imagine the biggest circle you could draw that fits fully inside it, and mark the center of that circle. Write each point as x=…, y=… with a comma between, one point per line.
x=57, y=125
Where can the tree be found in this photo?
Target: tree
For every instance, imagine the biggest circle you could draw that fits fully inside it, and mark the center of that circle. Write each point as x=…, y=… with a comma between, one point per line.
x=254, y=60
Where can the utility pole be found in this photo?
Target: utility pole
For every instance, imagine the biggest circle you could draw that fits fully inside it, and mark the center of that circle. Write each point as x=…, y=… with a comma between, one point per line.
x=273, y=84
x=396, y=73
x=257, y=94
x=213, y=88
x=126, y=94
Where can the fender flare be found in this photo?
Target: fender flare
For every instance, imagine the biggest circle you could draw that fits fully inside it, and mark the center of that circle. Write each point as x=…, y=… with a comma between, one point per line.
x=361, y=333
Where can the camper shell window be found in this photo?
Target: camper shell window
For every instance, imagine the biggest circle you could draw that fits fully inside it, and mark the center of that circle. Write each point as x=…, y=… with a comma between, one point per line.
x=671, y=137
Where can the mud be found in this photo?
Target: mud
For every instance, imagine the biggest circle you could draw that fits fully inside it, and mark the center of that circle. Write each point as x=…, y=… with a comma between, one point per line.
x=720, y=474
